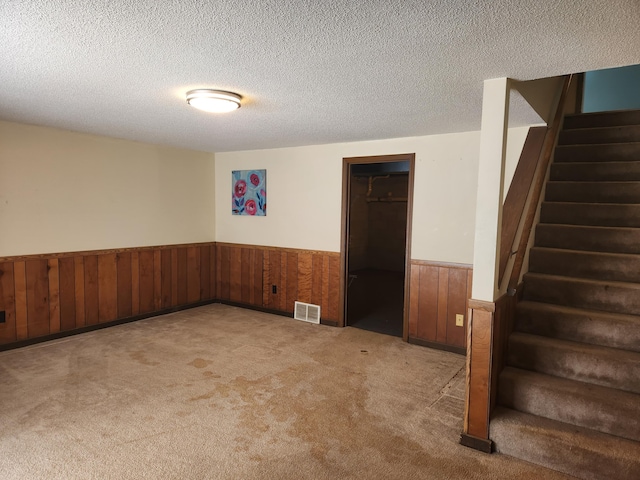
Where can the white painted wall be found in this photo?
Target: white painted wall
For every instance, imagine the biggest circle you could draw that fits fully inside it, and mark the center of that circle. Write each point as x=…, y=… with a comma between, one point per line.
x=305, y=188
x=62, y=191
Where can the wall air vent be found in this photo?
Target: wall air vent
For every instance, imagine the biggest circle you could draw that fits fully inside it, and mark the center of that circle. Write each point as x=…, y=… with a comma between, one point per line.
x=307, y=312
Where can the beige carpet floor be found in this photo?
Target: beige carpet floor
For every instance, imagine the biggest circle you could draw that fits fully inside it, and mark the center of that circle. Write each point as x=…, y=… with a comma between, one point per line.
x=220, y=392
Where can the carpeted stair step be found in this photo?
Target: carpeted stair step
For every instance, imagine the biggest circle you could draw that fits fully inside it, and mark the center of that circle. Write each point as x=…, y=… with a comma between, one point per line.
x=604, y=366
x=593, y=192
x=595, y=171
x=601, y=119
x=577, y=237
x=609, y=152
x=567, y=448
x=600, y=408
x=619, y=267
x=600, y=135
x=595, y=214
x=606, y=296
x=577, y=325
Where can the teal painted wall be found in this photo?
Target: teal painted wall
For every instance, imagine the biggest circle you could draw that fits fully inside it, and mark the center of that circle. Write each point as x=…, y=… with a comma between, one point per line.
x=612, y=89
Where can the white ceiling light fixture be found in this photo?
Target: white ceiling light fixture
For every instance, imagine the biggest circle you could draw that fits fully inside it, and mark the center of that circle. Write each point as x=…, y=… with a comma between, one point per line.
x=214, y=101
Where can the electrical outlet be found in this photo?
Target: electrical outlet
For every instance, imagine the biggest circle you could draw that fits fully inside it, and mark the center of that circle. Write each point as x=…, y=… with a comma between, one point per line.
x=274, y=289
x=459, y=320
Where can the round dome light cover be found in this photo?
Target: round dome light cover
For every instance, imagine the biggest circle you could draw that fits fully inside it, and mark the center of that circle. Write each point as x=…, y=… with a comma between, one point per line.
x=214, y=101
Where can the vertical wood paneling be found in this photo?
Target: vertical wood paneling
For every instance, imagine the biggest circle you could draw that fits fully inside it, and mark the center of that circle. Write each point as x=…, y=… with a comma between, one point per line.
x=283, y=282
x=258, y=278
x=414, y=298
x=107, y=288
x=212, y=272
x=157, y=279
x=324, y=306
x=334, y=288
x=78, y=263
x=235, y=274
x=316, y=279
x=37, y=298
x=66, y=267
x=274, y=279
x=124, y=284
x=225, y=273
x=246, y=278
x=252, y=276
x=182, y=276
x=205, y=288
x=135, y=283
x=43, y=295
x=54, y=295
x=193, y=274
x=266, y=278
x=443, y=306
x=305, y=276
x=91, y=290
x=20, y=282
x=145, y=258
x=67, y=292
x=174, y=277
x=428, y=303
x=437, y=294
x=166, y=278
x=7, y=303
x=292, y=281
x=457, y=304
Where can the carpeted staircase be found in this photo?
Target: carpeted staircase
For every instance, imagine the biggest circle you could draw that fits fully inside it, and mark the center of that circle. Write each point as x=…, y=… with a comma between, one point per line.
x=569, y=397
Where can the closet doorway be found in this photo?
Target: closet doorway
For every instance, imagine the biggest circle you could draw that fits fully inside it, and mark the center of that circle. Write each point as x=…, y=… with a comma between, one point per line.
x=376, y=239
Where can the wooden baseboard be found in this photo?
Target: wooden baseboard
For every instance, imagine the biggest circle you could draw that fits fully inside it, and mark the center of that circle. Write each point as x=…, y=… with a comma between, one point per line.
x=482, y=444
x=438, y=346
x=99, y=326
x=330, y=323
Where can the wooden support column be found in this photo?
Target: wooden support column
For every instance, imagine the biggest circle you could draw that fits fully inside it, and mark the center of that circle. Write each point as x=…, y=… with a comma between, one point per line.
x=482, y=309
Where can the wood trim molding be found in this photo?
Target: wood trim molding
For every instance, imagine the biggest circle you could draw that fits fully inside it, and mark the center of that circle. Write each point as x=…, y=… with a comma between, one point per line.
x=280, y=249
x=481, y=444
x=432, y=263
x=437, y=346
x=482, y=305
x=344, y=229
x=85, y=253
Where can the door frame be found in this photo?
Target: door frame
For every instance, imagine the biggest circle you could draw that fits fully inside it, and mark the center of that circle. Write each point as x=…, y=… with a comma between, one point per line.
x=344, y=232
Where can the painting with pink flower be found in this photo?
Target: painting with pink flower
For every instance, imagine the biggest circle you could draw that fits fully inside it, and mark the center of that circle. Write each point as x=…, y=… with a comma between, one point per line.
x=249, y=192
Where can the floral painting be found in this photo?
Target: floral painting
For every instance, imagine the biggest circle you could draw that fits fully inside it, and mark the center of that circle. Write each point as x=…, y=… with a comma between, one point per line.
x=249, y=192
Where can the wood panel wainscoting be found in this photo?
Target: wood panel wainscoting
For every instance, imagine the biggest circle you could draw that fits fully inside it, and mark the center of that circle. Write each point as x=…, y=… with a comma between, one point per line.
x=437, y=293
x=47, y=296
x=273, y=278
x=490, y=324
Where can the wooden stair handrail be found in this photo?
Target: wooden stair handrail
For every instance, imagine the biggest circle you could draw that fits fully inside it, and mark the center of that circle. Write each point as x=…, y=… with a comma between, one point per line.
x=540, y=175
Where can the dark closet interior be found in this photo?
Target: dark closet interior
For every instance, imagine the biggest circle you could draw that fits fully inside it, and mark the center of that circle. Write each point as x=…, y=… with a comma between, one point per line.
x=377, y=246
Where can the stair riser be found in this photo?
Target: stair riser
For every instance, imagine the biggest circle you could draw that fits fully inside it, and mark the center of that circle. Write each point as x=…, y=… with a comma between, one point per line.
x=569, y=263
x=581, y=326
x=605, y=215
x=606, y=297
x=613, y=371
x=558, y=446
x=620, y=240
x=600, y=135
x=596, y=172
x=605, y=119
x=593, y=192
x=623, y=152
x=620, y=418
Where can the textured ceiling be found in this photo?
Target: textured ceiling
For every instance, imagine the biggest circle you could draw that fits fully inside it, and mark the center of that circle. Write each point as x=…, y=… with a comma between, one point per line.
x=311, y=71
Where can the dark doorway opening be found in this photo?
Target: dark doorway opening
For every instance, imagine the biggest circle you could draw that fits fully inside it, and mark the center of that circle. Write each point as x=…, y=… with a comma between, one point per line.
x=378, y=201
